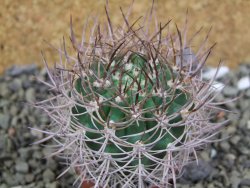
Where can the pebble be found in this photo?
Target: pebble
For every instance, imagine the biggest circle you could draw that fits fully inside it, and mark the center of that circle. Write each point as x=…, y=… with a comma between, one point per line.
x=218, y=86
x=19, y=178
x=51, y=164
x=29, y=178
x=18, y=70
x=4, y=90
x=4, y=121
x=230, y=91
x=244, y=104
x=194, y=173
x=32, y=163
x=51, y=185
x=235, y=140
x=230, y=158
x=13, y=110
x=15, y=85
x=30, y=95
x=8, y=163
x=22, y=167
x=210, y=73
x=37, y=154
x=244, y=83
x=225, y=146
x=213, y=153
x=48, y=175
x=25, y=153
x=244, y=70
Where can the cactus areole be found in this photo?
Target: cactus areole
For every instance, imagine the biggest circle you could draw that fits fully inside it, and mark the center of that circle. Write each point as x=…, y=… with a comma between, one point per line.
x=130, y=109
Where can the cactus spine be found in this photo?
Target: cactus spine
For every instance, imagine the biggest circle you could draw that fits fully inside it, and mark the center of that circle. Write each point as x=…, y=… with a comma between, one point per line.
x=131, y=108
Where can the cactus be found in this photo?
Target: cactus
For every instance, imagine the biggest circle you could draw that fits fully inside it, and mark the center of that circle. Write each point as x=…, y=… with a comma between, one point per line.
x=131, y=108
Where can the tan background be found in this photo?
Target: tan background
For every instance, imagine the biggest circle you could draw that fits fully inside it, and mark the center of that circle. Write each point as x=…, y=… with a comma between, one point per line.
x=25, y=24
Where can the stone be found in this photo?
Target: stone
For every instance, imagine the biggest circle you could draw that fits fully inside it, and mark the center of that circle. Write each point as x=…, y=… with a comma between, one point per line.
x=27, y=82
x=243, y=69
x=4, y=90
x=25, y=153
x=230, y=160
x=14, y=71
x=30, y=69
x=210, y=73
x=22, y=167
x=18, y=70
x=14, y=121
x=48, y=175
x=235, y=140
x=31, y=185
x=4, y=103
x=35, y=133
x=19, y=177
x=244, y=105
x=29, y=178
x=225, y=146
x=8, y=178
x=210, y=185
x=51, y=164
x=37, y=155
x=213, y=153
x=15, y=85
x=32, y=163
x=40, y=184
x=195, y=173
x=30, y=95
x=8, y=163
x=51, y=185
x=13, y=110
x=230, y=91
x=20, y=94
x=4, y=121
x=244, y=150
x=9, y=145
x=244, y=83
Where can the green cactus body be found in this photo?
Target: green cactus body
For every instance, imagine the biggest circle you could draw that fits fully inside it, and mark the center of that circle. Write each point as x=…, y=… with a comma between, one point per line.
x=136, y=109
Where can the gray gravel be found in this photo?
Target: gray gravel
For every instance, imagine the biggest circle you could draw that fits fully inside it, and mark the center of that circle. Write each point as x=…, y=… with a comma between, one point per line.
x=224, y=164
x=23, y=165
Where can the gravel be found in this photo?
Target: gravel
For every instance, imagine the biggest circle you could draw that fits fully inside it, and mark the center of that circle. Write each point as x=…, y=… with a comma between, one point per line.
x=224, y=164
x=23, y=165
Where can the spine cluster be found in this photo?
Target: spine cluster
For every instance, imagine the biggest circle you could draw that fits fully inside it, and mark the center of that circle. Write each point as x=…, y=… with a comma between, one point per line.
x=130, y=109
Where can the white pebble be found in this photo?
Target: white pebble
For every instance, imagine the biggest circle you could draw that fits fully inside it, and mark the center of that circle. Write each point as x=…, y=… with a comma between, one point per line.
x=244, y=83
x=218, y=86
x=213, y=153
x=211, y=72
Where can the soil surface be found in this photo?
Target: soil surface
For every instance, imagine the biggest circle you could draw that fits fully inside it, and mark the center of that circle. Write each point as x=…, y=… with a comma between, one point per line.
x=24, y=26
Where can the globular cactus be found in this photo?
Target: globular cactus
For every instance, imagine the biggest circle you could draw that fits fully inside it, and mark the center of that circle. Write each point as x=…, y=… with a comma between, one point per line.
x=131, y=108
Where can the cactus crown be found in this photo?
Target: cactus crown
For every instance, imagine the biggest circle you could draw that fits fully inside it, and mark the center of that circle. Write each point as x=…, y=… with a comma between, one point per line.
x=132, y=108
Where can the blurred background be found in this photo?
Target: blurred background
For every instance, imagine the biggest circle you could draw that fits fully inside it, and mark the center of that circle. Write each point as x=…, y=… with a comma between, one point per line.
x=25, y=25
